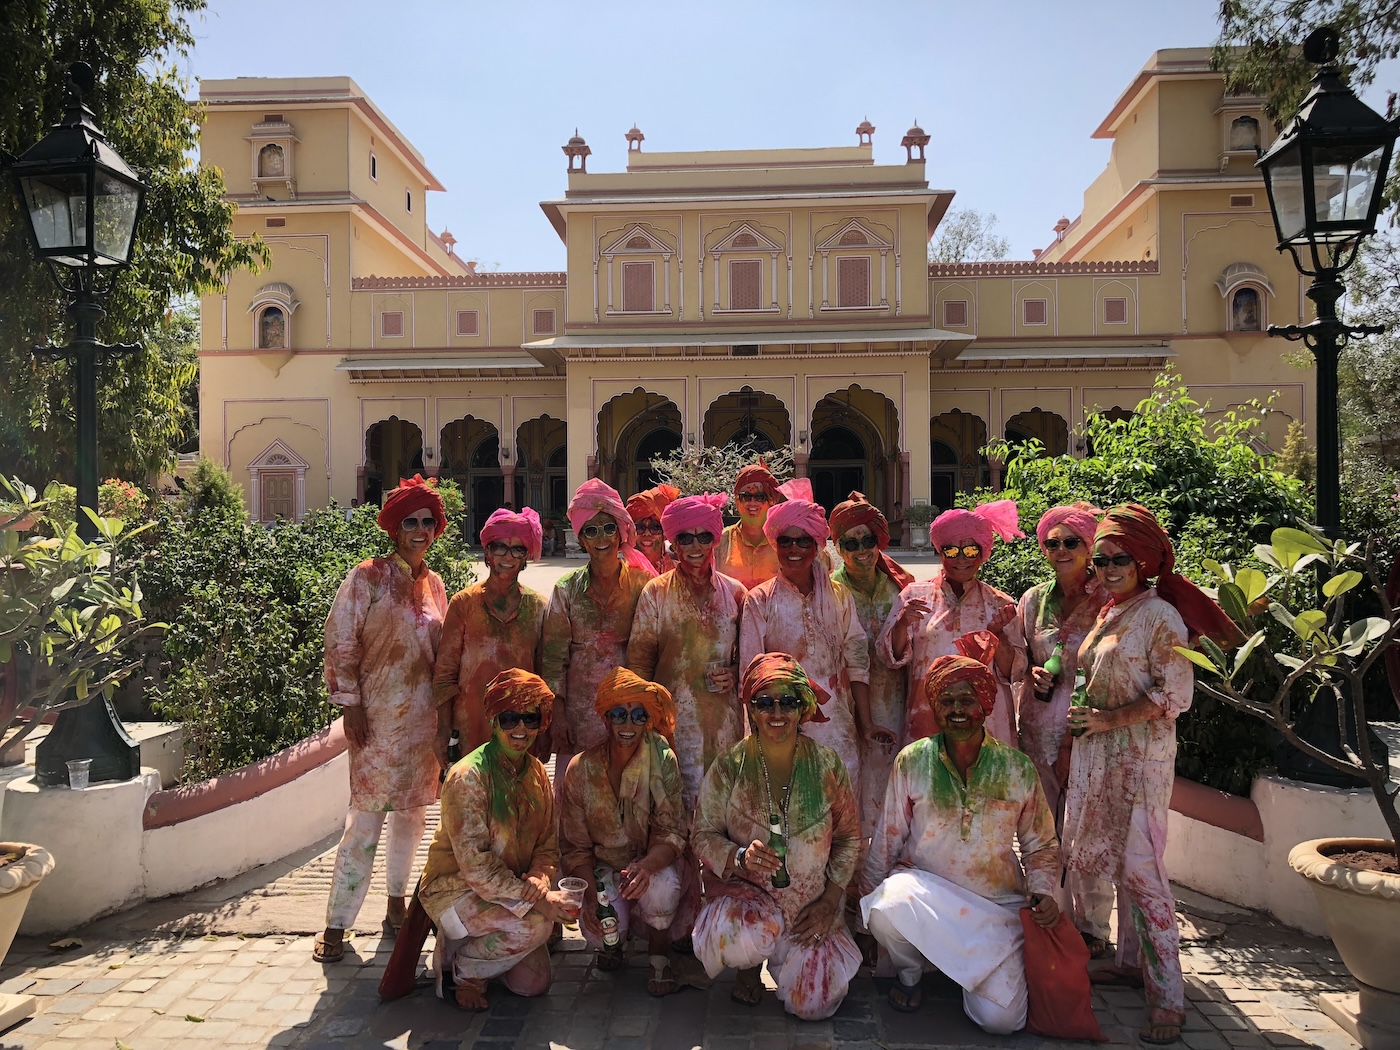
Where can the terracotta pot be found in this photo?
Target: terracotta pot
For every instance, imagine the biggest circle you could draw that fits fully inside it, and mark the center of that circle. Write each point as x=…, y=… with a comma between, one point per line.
x=17, y=882
x=1361, y=908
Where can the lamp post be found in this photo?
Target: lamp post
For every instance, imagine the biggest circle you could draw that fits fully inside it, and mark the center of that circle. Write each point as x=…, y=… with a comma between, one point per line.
x=1325, y=177
x=82, y=203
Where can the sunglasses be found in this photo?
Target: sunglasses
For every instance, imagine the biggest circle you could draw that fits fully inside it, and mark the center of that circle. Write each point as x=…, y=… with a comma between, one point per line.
x=511, y=719
x=500, y=550
x=592, y=532
x=1103, y=561
x=755, y=497
x=865, y=543
x=970, y=550
x=804, y=542
x=1070, y=543
x=787, y=702
x=685, y=539
x=619, y=715
x=653, y=528
x=409, y=524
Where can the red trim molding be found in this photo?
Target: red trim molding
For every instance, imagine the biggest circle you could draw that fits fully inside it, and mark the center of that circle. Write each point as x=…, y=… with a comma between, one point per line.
x=188, y=801
x=1217, y=808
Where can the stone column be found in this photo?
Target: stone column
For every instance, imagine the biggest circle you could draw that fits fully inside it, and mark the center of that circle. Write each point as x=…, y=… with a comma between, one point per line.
x=799, y=463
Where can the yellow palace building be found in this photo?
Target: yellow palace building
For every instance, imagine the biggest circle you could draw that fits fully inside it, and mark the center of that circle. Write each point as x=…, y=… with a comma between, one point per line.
x=781, y=297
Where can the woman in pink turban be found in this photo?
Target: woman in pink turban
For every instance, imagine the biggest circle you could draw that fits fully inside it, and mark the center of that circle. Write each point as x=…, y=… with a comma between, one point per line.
x=928, y=617
x=491, y=626
x=589, y=619
x=803, y=613
x=382, y=637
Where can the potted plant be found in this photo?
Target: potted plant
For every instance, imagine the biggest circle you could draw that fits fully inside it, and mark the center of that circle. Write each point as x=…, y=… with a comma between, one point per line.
x=1356, y=881
x=919, y=515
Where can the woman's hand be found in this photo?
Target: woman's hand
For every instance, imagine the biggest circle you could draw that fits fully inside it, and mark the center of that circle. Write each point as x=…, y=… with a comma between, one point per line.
x=722, y=680
x=815, y=921
x=536, y=886
x=554, y=907
x=1045, y=911
x=634, y=879
x=356, y=725
x=1042, y=681
x=914, y=610
x=879, y=736
x=1091, y=720
x=759, y=861
x=1003, y=616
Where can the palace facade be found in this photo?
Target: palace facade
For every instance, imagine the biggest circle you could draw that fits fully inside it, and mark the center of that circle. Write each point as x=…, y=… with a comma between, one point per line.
x=780, y=297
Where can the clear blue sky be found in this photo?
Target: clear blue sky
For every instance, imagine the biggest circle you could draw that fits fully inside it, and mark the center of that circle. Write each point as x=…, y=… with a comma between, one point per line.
x=1009, y=90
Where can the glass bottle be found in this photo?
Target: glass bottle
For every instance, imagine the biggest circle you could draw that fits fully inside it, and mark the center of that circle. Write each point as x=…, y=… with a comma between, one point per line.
x=1053, y=667
x=1079, y=698
x=607, y=914
x=777, y=842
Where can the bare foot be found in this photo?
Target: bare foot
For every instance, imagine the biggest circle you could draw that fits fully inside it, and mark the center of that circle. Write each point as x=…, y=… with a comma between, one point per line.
x=471, y=994
x=748, y=987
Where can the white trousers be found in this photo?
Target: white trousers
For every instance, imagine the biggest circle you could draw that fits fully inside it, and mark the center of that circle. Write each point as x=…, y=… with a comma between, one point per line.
x=354, y=860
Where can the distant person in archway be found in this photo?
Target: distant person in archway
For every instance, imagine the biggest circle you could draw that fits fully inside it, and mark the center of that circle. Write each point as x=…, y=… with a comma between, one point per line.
x=645, y=509
x=743, y=551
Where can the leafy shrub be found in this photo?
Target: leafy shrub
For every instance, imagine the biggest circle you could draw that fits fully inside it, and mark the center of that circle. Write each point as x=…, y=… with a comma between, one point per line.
x=212, y=488
x=115, y=499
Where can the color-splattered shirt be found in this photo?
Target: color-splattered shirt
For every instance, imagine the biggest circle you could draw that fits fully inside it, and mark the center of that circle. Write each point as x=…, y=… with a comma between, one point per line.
x=823, y=633
x=479, y=643
x=382, y=637
x=948, y=619
x=738, y=558
x=676, y=635
x=965, y=831
x=584, y=640
x=823, y=823
x=1130, y=653
x=615, y=828
x=497, y=826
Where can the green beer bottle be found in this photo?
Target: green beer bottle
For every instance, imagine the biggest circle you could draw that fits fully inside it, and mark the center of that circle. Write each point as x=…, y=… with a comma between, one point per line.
x=607, y=914
x=1079, y=698
x=1053, y=667
x=778, y=844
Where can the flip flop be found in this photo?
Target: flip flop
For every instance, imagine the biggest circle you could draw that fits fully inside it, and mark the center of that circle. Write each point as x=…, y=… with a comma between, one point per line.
x=905, y=1000
x=663, y=979
x=324, y=951
x=747, y=991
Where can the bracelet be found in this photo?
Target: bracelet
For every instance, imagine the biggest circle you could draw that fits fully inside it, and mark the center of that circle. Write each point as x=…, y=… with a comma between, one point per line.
x=739, y=858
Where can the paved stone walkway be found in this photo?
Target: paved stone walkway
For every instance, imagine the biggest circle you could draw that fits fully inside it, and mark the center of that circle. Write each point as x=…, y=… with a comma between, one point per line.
x=230, y=965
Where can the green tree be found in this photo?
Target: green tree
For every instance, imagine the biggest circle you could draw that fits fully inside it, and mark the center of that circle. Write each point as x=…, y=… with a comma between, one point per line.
x=966, y=235
x=184, y=246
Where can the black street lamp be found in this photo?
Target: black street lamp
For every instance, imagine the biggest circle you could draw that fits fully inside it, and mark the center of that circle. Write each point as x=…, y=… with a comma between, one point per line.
x=82, y=204
x=1325, y=176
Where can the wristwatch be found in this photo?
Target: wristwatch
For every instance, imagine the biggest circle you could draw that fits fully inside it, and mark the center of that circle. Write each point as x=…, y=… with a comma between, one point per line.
x=739, y=858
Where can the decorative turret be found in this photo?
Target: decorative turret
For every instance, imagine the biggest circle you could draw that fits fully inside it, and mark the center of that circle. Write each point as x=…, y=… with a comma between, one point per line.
x=577, y=150
x=448, y=240
x=1061, y=227
x=864, y=131
x=635, y=139
x=915, y=138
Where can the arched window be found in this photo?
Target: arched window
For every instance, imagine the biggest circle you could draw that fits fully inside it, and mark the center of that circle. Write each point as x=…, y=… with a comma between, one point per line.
x=1244, y=133
x=838, y=443
x=487, y=454
x=272, y=329
x=1246, y=310
x=272, y=162
x=659, y=442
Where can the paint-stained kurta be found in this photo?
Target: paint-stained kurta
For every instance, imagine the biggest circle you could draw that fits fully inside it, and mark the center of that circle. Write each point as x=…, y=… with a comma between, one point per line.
x=477, y=644
x=382, y=637
x=948, y=619
x=821, y=631
x=887, y=695
x=965, y=832
x=741, y=560
x=583, y=640
x=676, y=635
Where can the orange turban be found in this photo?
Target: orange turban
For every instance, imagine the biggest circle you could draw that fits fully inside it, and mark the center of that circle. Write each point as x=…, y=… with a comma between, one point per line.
x=412, y=494
x=857, y=511
x=974, y=665
x=518, y=690
x=623, y=687
x=766, y=668
x=652, y=502
x=757, y=474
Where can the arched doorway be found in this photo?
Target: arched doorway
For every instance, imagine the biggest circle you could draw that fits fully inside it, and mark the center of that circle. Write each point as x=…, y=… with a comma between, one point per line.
x=944, y=474
x=749, y=419
x=537, y=443
x=1116, y=414
x=393, y=451
x=627, y=423
x=837, y=466
x=854, y=447
x=471, y=456
x=1048, y=428
x=660, y=442
x=966, y=435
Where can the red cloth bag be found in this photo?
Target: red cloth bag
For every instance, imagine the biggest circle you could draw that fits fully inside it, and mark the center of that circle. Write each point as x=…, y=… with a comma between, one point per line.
x=1057, y=979
x=401, y=975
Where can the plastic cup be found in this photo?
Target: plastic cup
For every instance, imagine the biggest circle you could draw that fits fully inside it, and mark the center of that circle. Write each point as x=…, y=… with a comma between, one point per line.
x=78, y=773
x=574, y=890
x=711, y=670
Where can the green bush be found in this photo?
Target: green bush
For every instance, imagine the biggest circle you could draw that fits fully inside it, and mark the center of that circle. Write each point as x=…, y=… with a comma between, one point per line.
x=211, y=488
x=241, y=664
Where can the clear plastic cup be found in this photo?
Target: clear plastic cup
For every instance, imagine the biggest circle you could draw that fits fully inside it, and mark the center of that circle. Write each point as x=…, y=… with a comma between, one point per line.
x=574, y=890
x=711, y=670
x=78, y=773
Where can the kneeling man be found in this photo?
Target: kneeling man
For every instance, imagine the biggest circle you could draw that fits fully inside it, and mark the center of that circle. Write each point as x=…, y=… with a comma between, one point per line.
x=944, y=884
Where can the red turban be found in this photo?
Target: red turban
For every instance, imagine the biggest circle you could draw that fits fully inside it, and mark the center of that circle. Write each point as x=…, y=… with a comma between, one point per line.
x=594, y=496
x=798, y=513
x=652, y=502
x=503, y=524
x=1136, y=529
x=757, y=474
x=1080, y=518
x=980, y=525
x=974, y=665
x=857, y=511
x=694, y=514
x=766, y=668
x=412, y=494
x=623, y=687
x=518, y=690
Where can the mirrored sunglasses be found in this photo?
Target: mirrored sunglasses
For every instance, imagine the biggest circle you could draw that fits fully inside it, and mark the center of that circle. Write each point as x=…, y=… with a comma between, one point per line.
x=592, y=532
x=686, y=539
x=970, y=550
x=500, y=550
x=638, y=715
x=1122, y=561
x=865, y=543
x=1069, y=543
x=759, y=496
x=429, y=523
x=804, y=542
x=788, y=702
x=511, y=719
x=651, y=527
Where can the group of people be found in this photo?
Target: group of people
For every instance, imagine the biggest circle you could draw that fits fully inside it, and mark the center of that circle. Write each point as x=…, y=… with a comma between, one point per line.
x=769, y=750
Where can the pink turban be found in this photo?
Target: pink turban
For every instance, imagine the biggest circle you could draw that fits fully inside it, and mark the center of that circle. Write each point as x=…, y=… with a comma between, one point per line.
x=797, y=488
x=594, y=496
x=809, y=517
x=412, y=494
x=982, y=525
x=1080, y=518
x=503, y=524
x=694, y=514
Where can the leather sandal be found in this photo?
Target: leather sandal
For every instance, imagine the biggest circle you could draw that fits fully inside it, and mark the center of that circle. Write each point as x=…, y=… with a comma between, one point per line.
x=328, y=949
